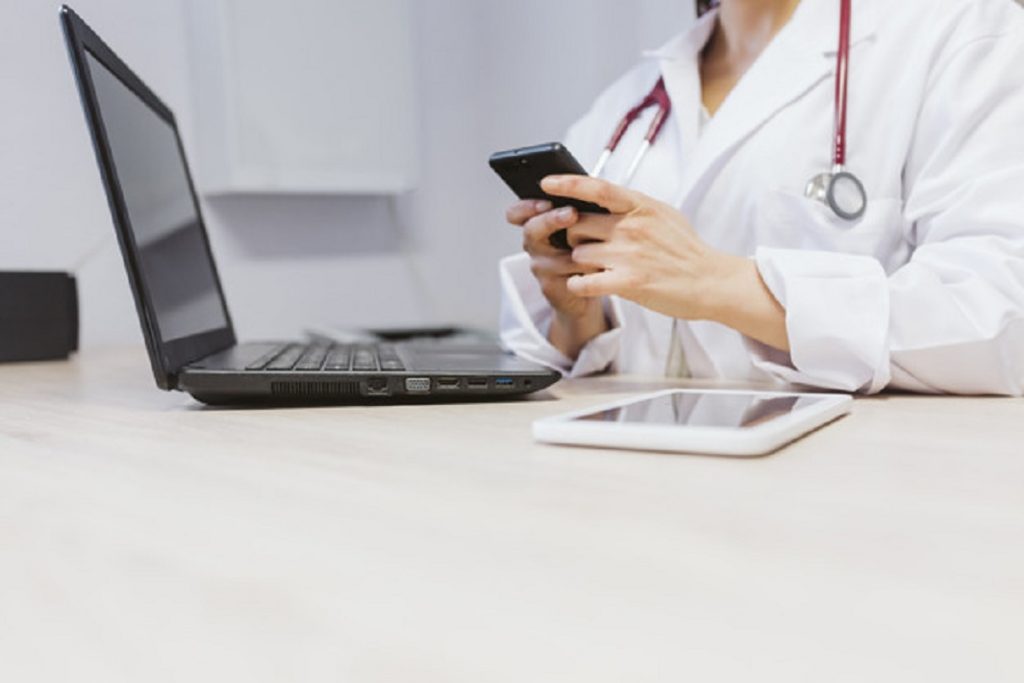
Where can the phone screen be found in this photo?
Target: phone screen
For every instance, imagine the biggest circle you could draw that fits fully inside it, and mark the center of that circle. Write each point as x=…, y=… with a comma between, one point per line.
x=698, y=409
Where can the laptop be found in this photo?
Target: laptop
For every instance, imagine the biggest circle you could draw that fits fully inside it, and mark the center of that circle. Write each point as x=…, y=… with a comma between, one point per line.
x=181, y=304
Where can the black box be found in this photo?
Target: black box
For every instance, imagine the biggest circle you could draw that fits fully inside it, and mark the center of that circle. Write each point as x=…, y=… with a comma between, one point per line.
x=38, y=316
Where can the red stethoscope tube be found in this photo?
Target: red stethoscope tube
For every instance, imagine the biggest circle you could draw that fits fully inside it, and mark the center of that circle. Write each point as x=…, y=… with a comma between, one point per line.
x=658, y=97
x=842, y=83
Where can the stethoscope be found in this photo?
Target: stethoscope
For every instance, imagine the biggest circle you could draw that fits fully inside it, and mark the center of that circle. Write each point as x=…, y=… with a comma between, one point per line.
x=837, y=188
x=840, y=189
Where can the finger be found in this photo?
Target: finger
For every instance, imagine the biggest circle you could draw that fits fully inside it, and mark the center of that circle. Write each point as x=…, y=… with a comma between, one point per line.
x=601, y=192
x=538, y=229
x=604, y=283
x=595, y=254
x=525, y=209
x=558, y=266
x=591, y=228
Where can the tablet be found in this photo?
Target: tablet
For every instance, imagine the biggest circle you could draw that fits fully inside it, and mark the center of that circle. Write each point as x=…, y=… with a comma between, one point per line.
x=737, y=423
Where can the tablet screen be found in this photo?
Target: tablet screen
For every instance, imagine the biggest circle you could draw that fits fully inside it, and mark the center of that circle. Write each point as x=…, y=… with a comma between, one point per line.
x=697, y=409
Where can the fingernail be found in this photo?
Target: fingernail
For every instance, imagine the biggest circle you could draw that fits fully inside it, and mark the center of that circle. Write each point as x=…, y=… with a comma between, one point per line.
x=543, y=206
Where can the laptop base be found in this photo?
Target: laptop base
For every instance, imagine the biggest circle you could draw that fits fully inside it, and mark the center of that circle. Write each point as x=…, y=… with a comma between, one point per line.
x=431, y=373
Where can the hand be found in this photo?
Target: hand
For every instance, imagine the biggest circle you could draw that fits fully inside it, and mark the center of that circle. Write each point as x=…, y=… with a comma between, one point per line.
x=647, y=252
x=576, y=319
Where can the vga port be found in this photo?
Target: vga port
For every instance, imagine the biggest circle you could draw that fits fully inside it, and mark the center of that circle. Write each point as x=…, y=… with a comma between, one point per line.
x=417, y=385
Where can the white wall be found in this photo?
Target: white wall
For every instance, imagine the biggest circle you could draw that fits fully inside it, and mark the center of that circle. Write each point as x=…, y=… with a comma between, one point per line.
x=53, y=212
x=492, y=74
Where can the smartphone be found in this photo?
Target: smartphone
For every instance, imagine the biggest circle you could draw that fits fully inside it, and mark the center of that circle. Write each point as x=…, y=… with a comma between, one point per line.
x=523, y=169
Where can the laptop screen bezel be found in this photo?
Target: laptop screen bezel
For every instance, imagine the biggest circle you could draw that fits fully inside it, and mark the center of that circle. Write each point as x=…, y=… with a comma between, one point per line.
x=167, y=357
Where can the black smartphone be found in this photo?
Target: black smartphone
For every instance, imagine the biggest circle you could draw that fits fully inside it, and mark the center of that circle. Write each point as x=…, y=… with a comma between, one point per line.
x=523, y=169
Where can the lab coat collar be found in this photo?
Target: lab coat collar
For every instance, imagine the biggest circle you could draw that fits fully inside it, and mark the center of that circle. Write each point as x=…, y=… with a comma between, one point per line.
x=813, y=13
x=799, y=58
x=689, y=44
x=818, y=13
x=679, y=61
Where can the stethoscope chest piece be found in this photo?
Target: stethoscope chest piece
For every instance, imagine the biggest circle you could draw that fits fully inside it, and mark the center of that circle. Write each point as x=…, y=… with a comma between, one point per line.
x=841, y=191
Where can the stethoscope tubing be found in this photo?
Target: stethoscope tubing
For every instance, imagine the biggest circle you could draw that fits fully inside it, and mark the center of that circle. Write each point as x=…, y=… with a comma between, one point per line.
x=842, y=85
x=658, y=97
x=823, y=187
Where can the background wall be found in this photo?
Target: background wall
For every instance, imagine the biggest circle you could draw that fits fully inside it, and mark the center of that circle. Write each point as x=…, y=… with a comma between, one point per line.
x=491, y=74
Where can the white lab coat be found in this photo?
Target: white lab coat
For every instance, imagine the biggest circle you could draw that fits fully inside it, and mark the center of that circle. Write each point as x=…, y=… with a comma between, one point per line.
x=925, y=292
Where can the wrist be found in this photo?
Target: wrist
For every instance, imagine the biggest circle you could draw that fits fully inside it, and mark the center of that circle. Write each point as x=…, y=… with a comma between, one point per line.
x=721, y=296
x=581, y=315
x=571, y=330
x=742, y=301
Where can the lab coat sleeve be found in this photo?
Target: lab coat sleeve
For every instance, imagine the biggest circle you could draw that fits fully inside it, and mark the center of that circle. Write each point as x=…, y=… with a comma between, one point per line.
x=952, y=319
x=526, y=318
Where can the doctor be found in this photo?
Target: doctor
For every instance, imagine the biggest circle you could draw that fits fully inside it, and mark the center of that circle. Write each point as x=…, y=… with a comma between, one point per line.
x=836, y=200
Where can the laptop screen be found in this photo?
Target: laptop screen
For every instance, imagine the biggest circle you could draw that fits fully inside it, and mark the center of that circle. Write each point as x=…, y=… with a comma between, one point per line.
x=174, y=262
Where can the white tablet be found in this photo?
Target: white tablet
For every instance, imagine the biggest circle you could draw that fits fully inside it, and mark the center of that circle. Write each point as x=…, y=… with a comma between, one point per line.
x=738, y=423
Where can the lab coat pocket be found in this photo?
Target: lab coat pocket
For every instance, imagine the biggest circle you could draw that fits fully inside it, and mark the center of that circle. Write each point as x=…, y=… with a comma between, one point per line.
x=791, y=221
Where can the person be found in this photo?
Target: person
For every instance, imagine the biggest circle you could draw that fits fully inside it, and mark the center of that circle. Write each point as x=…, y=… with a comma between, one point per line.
x=715, y=263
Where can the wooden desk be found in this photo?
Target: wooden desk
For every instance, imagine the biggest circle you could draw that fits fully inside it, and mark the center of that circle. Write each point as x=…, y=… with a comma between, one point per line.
x=145, y=539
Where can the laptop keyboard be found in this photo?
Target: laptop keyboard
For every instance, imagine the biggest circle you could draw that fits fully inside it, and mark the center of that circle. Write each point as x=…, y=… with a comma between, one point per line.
x=329, y=358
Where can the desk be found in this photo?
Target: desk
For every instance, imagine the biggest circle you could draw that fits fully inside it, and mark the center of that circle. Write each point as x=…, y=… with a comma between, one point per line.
x=144, y=538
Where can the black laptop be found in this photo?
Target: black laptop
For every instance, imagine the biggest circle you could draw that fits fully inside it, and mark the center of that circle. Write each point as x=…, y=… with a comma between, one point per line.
x=181, y=304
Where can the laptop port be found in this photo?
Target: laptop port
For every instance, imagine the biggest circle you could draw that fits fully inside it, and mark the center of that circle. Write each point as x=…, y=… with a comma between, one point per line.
x=378, y=386
x=417, y=385
x=504, y=383
x=447, y=383
x=478, y=383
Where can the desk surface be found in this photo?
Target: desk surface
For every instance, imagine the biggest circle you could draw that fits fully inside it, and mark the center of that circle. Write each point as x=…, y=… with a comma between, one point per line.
x=144, y=538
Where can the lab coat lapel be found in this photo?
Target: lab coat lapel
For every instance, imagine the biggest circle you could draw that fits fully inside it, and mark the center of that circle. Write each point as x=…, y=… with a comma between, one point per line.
x=799, y=57
x=679, y=61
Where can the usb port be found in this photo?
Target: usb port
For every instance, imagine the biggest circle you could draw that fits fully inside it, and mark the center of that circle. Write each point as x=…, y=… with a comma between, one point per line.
x=447, y=383
x=504, y=383
x=417, y=385
x=476, y=383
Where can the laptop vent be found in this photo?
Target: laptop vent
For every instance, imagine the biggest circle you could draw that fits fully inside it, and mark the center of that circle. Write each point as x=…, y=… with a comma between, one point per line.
x=314, y=390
